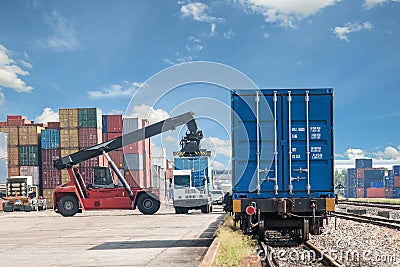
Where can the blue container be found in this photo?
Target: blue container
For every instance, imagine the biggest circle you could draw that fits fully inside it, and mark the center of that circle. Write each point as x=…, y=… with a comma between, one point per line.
x=390, y=173
x=352, y=173
x=396, y=192
x=50, y=139
x=360, y=182
x=377, y=185
x=396, y=170
x=199, y=167
x=374, y=174
x=104, y=124
x=351, y=193
x=389, y=181
x=363, y=163
x=287, y=118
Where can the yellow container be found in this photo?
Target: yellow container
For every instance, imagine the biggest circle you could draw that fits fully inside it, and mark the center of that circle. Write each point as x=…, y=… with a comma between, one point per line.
x=48, y=195
x=12, y=134
x=65, y=177
x=69, y=138
x=68, y=151
x=68, y=118
x=29, y=135
x=13, y=171
x=13, y=156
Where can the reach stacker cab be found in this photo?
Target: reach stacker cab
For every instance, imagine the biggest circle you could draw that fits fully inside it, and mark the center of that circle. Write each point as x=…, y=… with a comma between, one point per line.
x=105, y=192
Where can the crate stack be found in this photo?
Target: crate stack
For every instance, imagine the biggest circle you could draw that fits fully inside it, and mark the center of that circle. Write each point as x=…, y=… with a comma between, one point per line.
x=396, y=181
x=351, y=183
x=22, y=146
x=89, y=134
x=133, y=155
x=374, y=185
x=361, y=165
x=68, y=136
x=112, y=128
x=51, y=177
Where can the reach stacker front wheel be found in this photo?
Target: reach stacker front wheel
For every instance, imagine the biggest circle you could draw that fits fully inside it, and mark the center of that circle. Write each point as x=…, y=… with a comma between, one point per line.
x=68, y=206
x=148, y=203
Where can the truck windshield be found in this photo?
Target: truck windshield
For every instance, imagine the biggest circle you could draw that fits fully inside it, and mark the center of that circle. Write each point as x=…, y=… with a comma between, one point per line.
x=181, y=181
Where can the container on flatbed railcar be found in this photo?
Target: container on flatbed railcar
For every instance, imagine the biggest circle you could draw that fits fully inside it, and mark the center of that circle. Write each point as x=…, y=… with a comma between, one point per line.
x=282, y=143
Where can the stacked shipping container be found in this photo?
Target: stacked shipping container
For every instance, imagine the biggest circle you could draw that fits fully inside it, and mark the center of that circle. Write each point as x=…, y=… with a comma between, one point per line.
x=3, y=158
x=112, y=128
x=392, y=182
x=133, y=155
x=51, y=177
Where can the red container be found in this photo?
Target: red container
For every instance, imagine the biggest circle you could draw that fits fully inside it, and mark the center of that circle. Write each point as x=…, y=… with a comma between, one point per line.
x=90, y=163
x=87, y=174
x=114, y=124
x=16, y=122
x=360, y=173
x=135, y=178
x=15, y=117
x=88, y=137
x=360, y=192
x=396, y=181
x=118, y=157
x=48, y=156
x=135, y=148
x=53, y=125
x=375, y=192
x=51, y=178
x=3, y=123
x=111, y=136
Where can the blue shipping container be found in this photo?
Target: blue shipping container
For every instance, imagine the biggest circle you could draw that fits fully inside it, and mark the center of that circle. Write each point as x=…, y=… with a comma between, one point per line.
x=374, y=174
x=50, y=139
x=396, y=170
x=104, y=124
x=352, y=173
x=396, y=192
x=294, y=141
x=363, y=163
x=377, y=185
x=199, y=167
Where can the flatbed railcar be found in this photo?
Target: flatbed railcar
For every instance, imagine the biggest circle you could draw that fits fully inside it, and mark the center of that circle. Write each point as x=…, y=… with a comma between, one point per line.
x=282, y=160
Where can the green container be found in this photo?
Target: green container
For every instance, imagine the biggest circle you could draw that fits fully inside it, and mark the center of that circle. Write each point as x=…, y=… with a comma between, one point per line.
x=89, y=118
x=28, y=156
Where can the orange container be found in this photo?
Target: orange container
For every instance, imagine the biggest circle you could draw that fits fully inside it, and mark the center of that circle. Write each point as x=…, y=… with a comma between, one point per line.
x=360, y=192
x=396, y=181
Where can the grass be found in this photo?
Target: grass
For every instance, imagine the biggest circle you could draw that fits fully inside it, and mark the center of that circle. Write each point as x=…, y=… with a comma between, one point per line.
x=376, y=200
x=234, y=246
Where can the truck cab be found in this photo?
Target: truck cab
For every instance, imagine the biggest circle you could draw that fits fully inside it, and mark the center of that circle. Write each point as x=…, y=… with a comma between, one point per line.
x=187, y=196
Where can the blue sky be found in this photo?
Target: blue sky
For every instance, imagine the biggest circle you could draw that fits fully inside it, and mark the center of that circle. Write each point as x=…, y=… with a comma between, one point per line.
x=97, y=53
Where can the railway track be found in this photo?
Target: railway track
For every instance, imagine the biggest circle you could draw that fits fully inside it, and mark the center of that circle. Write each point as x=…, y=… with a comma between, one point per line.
x=395, y=224
x=306, y=254
x=371, y=205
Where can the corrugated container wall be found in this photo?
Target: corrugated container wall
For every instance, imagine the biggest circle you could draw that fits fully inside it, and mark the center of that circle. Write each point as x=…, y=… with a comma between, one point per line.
x=29, y=135
x=374, y=174
x=28, y=155
x=363, y=163
x=303, y=122
x=30, y=171
x=396, y=170
x=69, y=138
x=113, y=123
x=53, y=125
x=48, y=195
x=51, y=177
x=89, y=118
x=51, y=139
x=199, y=167
x=12, y=135
x=89, y=137
x=68, y=118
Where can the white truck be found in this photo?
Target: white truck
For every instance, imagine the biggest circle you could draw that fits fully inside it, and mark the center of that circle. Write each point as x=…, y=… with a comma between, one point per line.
x=187, y=197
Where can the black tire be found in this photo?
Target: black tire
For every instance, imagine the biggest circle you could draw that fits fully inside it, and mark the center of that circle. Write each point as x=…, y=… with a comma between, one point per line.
x=205, y=209
x=28, y=208
x=148, y=203
x=68, y=206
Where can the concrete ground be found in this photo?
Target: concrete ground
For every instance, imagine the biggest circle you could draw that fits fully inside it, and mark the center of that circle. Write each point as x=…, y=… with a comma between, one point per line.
x=106, y=238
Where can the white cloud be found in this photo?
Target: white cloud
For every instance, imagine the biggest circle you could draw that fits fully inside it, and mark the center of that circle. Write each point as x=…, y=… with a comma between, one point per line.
x=212, y=30
x=194, y=45
x=229, y=34
x=125, y=89
x=147, y=112
x=199, y=12
x=47, y=115
x=217, y=146
x=63, y=36
x=266, y=35
x=286, y=12
x=373, y=3
x=342, y=32
x=389, y=153
x=10, y=74
x=355, y=153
